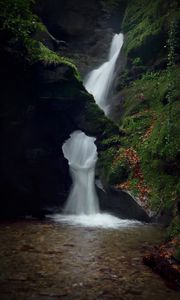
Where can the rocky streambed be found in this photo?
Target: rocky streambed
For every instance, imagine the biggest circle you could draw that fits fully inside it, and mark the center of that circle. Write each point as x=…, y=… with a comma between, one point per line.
x=46, y=260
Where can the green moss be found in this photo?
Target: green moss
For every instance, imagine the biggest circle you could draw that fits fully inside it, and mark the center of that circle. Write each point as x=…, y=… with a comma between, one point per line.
x=150, y=92
x=106, y=158
x=177, y=254
x=18, y=20
x=119, y=172
x=135, y=127
x=174, y=228
x=111, y=141
x=110, y=3
x=137, y=61
x=151, y=126
x=145, y=24
x=39, y=52
x=101, y=125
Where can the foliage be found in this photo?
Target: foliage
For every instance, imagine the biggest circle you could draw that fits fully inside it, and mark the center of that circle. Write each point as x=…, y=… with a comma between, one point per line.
x=118, y=172
x=174, y=228
x=137, y=61
x=106, y=158
x=149, y=145
x=177, y=254
x=135, y=183
x=113, y=140
x=145, y=27
x=37, y=51
x=145, y=122
x=120, y=168
x=110, y=3
x=20, y=23
x=16, y=17
x=102, y=126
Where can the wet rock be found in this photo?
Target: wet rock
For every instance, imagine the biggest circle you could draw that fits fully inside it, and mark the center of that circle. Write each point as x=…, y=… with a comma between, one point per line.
x=86, y=26
x=45, y=104
x=19, y=277
x=121, y=204
x=161, y=260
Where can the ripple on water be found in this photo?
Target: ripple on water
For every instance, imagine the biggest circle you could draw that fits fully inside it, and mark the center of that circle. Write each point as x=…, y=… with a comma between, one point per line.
x=51, y=260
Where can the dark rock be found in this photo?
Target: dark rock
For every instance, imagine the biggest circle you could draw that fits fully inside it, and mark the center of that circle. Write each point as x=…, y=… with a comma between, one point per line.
x=121, y=204
x=86, y=26
x=162, y=261
x=40, y=106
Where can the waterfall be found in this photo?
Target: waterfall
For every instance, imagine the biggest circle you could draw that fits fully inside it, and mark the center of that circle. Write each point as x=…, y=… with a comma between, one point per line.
x=81, y=153
x=82, y=207
x=99, y=81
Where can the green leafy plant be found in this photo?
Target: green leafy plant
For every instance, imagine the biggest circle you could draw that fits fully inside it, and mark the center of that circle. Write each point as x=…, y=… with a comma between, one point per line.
x=137, y=61
x=17, y=18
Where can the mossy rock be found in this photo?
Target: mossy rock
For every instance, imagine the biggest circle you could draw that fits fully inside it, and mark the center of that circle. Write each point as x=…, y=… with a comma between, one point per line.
x=146, y=25
x=174, y=228
x=177, y=254
x=119, y=173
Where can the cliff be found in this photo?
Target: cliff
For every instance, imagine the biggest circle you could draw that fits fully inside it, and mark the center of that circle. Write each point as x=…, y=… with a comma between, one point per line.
x=42, y=101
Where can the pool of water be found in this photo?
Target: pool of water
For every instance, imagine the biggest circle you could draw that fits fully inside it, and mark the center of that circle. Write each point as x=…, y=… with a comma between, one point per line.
x=51, y=260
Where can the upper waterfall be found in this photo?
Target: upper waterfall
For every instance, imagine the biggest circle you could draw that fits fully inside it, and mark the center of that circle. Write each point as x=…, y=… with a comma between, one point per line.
x=99, y=81
x=81, y=152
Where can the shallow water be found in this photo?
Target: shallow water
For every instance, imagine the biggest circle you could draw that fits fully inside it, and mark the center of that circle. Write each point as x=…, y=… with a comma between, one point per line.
x=46, y=260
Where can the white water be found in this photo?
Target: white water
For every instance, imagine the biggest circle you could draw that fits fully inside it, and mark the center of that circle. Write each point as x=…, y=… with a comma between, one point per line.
x=102, y=220
x=81, y=153
x=82, y=207
x=99, y=81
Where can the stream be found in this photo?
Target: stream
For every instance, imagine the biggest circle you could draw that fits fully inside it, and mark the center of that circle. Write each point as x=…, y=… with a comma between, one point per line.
x=47, y=260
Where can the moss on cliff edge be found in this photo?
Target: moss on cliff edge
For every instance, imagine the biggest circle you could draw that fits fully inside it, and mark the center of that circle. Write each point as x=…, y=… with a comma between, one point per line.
x=20, y=26
x=151, y=127
x=145, y=25
x=148, y=94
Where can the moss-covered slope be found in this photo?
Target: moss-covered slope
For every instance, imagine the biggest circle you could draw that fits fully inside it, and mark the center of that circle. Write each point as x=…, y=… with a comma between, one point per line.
x=145, y=158
x=145, y=26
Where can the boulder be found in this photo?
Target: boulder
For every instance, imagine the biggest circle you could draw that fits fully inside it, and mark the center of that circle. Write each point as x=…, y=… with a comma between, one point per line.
x=121, y=204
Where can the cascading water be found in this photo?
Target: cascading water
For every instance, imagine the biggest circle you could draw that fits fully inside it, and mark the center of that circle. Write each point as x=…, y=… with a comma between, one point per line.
x=81, y=153
x=82, y=207
x=99, y=81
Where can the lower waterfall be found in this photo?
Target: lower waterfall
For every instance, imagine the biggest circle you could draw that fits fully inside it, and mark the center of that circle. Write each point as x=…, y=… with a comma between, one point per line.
x=82, y=206
x=81, y=153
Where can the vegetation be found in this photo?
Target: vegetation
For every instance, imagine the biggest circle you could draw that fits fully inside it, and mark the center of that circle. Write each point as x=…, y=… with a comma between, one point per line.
x=20, y=25
x=144, y=159
x=17, y=18
x=145, y=25
x=140, y=154
x=110, y=3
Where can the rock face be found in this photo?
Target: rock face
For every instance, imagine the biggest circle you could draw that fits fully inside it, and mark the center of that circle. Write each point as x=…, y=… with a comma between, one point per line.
x=42, y=104
x=86, y=26
x=122, y=205
x=165, y=261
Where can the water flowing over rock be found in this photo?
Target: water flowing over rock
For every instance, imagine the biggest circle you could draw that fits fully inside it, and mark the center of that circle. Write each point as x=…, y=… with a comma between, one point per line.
x=99, y=81
x=81, y=153
x=82, y=206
